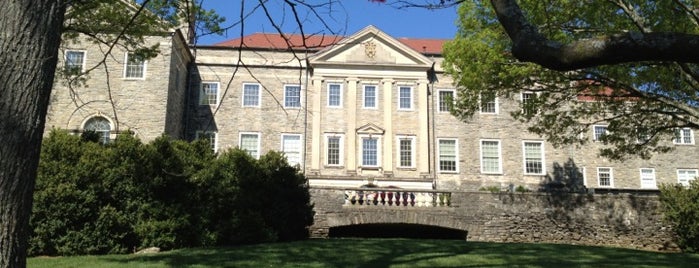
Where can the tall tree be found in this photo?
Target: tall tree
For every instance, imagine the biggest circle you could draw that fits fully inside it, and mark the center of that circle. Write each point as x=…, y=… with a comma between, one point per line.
x=628, y=64
x=30, y=33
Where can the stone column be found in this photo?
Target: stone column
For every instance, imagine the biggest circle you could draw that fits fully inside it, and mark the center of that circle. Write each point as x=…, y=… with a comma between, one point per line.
x=316, y=135
x=387, y=159
x=423, y=136
x=351, y=135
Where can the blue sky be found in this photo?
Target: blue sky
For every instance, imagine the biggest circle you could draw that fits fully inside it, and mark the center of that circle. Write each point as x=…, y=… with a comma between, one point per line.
x=346, y=18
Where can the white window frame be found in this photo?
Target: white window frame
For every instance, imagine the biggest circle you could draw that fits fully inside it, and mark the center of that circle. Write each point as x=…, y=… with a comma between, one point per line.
x=456, y=155
x=259, y=141
x=82, y=64
x=682, y=137
x=126, y=66
x=649, y=178
x=495, y=103
x=439, y=101
x=339, y=105
x=341, y=151
x=523, y=100
x=214, y=143
x=204, y=98
x=301, y=145
x=400, y=138
x=410, y=101
x=300, y=102
x=611, y=177
x=595, y=137
x=524, y=157
x=480, y=144
x=376, y=97
x=378, y=150
x=259, y=95
x=684, y=180
x=105, y=135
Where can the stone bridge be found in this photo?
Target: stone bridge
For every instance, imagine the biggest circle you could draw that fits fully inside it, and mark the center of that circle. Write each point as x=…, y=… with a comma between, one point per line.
x=625, y=220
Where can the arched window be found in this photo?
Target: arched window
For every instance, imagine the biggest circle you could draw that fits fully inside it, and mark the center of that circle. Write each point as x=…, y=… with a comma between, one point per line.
x=101, y=126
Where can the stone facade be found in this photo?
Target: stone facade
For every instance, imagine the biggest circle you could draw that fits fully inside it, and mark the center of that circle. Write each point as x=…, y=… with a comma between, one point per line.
x=360, y=109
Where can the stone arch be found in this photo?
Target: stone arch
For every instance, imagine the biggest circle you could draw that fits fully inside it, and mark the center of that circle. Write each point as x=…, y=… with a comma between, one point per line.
x=443, y=218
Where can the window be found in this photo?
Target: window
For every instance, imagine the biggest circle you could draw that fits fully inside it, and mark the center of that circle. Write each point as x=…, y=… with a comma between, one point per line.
x=533, y=158
x=334, y=149
x=405, y=98
x=370, y=152
x=599, y=132
x=528, y=107
x=648, y=178
x=135, y=66
x=684, y=176
x=291, y=146
x=250, y=142
x=334, y=95
x=209, y=93
x=406, y=156
x=489, y=104
x=369, y=96
x=448, y=157
x=100, y=126
x=251, y=95
x=605, y=177
x=75, y=61
x=490, y=157
x=292, y=96
x=684, y=136
x=209, y=136
x=446, y=100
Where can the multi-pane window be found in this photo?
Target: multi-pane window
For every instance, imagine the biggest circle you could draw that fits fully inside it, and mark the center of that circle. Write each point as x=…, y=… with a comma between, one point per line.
x=405, y=151
x=250, y=143
x=334, y=153
x=599, y=132
x=291, y=146
x=405, y=98
x=101, y=126
x=683, y=136
x=370, y=153
x=489, y=104
x=446, y=99
x=684, y=176
x=292, y=96
x=210, y=136
x=528, y=107
x=251, y=95
x=209, y=93
x=605, y=176
x=334, y=95
x=135, y=66
x=648, y=178
x=533, y=157
x=490, y=156
x=369, y=96
x=75, y=61
x=447, y=155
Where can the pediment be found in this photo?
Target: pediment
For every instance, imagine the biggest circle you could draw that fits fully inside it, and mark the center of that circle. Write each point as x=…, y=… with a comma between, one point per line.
x=370, y=46
x=370, y=129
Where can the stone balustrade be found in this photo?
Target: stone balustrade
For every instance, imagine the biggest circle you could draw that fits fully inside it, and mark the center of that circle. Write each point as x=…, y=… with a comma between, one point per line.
x=396, y=197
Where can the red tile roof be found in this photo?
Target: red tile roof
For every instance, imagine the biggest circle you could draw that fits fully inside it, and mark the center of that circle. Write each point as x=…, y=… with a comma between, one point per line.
x=317, y=42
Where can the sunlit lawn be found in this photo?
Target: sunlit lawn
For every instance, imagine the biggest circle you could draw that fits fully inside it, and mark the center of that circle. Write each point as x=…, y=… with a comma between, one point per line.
x=384, y=253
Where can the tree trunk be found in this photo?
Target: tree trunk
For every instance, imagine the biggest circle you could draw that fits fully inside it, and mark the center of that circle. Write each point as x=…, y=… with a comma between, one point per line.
x=30, y=33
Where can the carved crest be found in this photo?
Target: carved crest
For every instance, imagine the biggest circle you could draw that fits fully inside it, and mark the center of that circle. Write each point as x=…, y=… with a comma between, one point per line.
x=370, y=49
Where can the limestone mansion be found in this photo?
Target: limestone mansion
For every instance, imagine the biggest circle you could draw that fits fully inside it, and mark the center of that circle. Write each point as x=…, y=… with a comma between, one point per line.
x=364, y=108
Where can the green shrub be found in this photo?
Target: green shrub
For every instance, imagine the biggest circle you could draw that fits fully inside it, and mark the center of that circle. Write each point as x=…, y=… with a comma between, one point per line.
x=681, y=209
x=492, y=189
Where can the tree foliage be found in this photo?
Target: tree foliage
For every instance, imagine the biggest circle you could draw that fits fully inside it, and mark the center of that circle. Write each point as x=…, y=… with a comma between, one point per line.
x=643, y=103
x=94, y=199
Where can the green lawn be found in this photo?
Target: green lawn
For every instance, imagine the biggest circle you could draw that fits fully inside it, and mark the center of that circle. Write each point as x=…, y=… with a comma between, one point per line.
x=384, y=253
